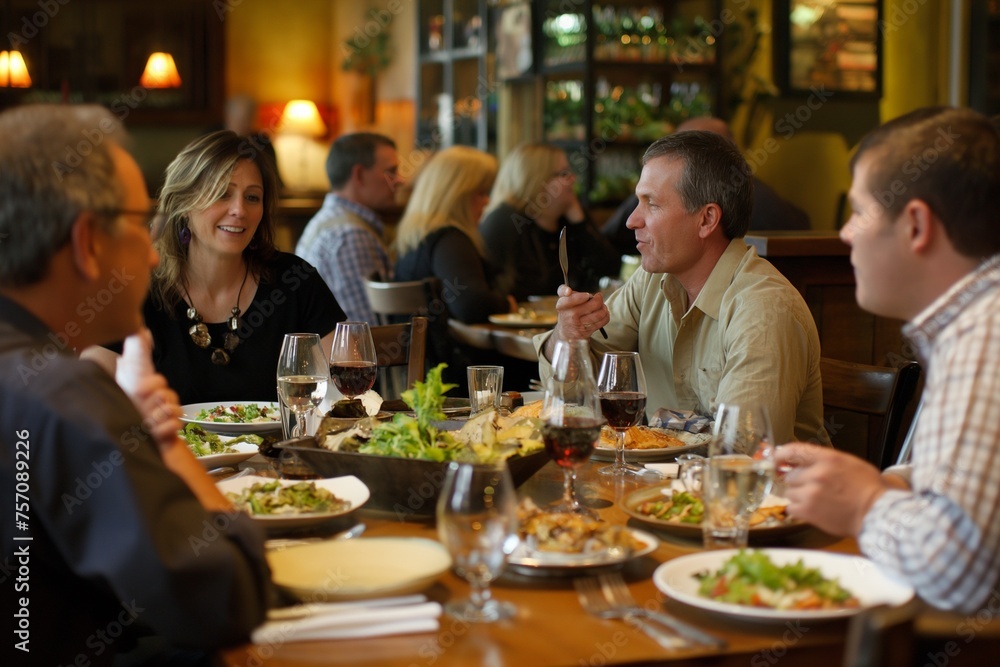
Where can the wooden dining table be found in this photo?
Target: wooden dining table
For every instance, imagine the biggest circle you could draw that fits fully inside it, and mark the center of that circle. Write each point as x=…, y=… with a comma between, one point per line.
x=550, y=627
x=516, y=342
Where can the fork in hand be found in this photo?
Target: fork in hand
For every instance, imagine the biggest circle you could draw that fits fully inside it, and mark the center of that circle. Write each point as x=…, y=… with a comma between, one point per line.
x=593, y=600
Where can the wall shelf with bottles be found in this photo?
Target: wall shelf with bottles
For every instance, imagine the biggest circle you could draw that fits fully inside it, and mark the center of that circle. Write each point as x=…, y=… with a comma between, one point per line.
x=456, y=96
x=619, y=75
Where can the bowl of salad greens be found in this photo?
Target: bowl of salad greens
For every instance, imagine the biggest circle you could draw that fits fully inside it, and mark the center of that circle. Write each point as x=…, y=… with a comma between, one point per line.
x=403, y=459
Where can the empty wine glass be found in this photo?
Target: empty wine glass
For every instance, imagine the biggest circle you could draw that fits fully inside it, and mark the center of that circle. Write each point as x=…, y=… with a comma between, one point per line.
x=571, y=415
x=622, y=387
x=303, y=376
x=738, y=475
x=353, y=362
x=477, y=523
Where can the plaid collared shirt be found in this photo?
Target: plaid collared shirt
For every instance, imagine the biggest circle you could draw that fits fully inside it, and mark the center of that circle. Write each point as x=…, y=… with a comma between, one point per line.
x=344, y=242
x=943, y=537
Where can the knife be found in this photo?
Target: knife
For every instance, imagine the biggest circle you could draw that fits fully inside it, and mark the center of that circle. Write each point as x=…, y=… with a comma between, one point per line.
x=564, y=265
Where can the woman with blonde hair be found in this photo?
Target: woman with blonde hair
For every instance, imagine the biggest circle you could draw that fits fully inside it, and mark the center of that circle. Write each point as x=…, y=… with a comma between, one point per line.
x=223, y=296
x=532, y=201
x=438, y=237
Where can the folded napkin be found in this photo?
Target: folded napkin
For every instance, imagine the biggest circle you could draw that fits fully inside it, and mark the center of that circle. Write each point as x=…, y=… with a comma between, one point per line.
x=346, y=620
x=681, y=420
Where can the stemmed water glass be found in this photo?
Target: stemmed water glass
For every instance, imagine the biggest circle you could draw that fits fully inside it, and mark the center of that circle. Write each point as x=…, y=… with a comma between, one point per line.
x=303, y=376
x=353, y=362
x=571, y=415
x=477, y=523
x=622, y=387
x=738, y=474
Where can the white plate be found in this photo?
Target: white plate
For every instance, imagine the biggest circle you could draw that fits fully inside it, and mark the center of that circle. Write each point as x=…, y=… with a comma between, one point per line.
x=693, y=441
x=348, y=488
x=191, y=410
x=871, y=585
x=244, y=451
x=548, y=562
x=517, y=320
x=363, y=567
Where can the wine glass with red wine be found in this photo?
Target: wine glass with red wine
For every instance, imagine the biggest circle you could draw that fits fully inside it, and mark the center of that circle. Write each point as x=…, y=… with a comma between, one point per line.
x=571, y=415
x=622, y=387
x=352, y=360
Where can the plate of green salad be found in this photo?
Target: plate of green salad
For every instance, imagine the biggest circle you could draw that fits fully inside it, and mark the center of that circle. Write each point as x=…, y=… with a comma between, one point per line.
x=779, y=584
x=214, y=450
x=291, y=503
x=236, y=417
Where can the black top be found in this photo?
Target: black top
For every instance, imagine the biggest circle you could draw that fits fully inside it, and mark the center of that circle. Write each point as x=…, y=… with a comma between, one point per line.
x=770, y=211
x=466, y=280
x=294, y=300
x=467, y=294
x=116, y=538
x=529, y=256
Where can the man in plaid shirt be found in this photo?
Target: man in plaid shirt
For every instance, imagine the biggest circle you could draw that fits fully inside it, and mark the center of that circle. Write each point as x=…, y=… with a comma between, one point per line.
x=925, y=245
x=345, y=239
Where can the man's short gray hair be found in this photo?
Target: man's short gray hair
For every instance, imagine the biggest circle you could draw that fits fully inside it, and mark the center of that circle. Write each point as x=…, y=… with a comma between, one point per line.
x=55, y=163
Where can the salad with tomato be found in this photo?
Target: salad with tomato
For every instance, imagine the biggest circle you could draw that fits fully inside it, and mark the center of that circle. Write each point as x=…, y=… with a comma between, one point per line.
x=751, y=578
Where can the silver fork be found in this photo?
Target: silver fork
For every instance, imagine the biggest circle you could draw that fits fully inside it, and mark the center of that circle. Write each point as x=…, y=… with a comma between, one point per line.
x=592, y=599
x=614, y=589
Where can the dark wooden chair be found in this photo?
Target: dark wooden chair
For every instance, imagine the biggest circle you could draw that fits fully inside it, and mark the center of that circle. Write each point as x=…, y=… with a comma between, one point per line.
x=879, y=395
x=402, y=345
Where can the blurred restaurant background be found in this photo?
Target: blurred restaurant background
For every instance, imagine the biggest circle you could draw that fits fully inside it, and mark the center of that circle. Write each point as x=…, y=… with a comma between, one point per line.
x=799, y=82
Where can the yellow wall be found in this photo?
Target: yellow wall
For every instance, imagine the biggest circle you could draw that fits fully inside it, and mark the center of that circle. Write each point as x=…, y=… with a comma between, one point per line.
x=800, y=146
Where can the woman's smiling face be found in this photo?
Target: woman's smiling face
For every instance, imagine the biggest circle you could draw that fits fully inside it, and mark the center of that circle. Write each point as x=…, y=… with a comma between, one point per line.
x=227, y=225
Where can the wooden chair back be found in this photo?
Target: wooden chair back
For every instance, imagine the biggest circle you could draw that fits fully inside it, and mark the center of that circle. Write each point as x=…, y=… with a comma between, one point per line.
x=402, y=345
x=880, y=394
x=410, y=297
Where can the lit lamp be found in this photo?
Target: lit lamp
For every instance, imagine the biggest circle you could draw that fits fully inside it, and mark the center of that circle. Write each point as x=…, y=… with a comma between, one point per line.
x=160, y=72
x=301, y=118
x=13, y=71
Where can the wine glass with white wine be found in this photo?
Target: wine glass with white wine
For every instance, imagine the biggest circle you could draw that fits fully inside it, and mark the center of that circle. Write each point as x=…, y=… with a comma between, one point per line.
x=303, y=376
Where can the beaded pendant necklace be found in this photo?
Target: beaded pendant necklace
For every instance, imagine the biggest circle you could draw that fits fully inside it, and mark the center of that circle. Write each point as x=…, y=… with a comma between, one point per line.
x=199, y=330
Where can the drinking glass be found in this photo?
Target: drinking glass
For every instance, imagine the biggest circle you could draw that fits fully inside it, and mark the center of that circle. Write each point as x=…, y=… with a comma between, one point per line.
x=485, y=385
x=303, y=376
x=738, y=475
x=622, y=387
x=571, y=416
x=353, y=363
x=477, y=523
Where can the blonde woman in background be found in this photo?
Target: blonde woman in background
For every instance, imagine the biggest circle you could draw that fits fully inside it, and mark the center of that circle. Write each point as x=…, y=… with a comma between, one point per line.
x=438, y=237
x=532, y=201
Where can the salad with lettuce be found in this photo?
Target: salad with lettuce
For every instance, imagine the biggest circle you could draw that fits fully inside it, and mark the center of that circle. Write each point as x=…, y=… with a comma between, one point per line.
x=483, y=439
x=240, y=413
x=204, y=443
x=751, y=578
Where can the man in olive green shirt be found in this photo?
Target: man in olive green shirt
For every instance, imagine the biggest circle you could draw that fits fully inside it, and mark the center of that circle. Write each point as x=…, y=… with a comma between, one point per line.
x=713, y=322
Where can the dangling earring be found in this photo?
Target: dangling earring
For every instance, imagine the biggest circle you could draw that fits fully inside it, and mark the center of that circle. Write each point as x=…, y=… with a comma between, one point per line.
x=184, y=235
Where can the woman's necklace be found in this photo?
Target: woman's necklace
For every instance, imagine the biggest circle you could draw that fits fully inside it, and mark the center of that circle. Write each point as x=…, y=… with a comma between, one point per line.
x=199, y=331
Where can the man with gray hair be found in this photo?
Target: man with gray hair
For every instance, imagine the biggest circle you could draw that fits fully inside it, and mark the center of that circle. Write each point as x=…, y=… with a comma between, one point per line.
x=123, y=533
x=345, y=240
x=713, y=322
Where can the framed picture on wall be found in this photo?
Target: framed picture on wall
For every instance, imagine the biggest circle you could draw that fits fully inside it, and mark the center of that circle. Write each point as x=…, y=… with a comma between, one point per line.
x=514, y=54
x=832, y=45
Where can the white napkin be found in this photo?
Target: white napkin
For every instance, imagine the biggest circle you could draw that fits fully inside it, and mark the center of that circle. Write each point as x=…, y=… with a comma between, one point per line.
x=345, y=620
x=135, y=362
x=665, y=469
